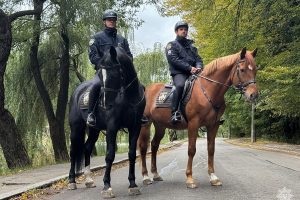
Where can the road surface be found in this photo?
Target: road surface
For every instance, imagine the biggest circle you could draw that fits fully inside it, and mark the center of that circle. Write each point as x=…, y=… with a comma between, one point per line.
x=245, y=173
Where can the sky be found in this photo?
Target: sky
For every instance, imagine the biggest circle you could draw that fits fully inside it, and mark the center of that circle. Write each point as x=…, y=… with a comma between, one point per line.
x=154, y=29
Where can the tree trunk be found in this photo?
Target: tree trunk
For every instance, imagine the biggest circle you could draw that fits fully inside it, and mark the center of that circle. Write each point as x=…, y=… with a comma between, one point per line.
x=56, y=125
x=10, y=139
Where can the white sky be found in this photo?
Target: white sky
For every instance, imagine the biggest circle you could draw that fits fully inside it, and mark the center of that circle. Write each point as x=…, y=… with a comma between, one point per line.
x=154, y=29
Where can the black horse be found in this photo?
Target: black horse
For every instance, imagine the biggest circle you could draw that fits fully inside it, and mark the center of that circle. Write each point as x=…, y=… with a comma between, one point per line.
x=120, y=105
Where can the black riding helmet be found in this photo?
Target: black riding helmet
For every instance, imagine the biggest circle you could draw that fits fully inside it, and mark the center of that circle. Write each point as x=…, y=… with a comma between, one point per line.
x=180, y=24
x=109, y=14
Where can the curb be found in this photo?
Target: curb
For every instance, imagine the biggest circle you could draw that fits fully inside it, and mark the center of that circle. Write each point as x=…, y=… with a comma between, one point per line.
x=258, y=147
x=49, y=182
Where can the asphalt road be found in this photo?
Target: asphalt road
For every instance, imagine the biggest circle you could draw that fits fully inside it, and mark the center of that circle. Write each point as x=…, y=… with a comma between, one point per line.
x=245, y=173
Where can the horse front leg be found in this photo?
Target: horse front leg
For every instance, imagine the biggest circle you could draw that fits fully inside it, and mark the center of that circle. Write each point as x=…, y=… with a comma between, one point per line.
x=133, y=137
x=111, y=135
x=89, y=145
x=192, y=138
x=211, y=135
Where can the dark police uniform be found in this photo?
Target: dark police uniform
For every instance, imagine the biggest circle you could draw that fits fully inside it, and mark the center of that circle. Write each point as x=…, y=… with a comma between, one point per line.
x=102, y=41
x=99, y=43
x=182, y=55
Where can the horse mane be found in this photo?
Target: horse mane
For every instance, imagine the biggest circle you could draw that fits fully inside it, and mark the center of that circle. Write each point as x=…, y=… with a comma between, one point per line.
x=126, y=61
x=222, y=63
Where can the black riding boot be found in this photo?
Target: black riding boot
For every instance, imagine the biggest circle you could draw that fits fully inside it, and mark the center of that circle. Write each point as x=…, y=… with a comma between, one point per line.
x=176, y=115
x=93, y=96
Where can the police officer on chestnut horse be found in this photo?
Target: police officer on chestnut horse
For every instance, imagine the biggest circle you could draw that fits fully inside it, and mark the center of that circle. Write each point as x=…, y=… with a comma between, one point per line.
x=184, y=60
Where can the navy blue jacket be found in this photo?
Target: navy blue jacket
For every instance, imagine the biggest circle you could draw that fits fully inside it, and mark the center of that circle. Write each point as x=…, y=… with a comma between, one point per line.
x=102, y=41
x=182, y=55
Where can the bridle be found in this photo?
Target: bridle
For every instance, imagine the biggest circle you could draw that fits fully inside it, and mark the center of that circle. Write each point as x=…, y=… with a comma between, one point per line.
x=240, y=87
x=123, y=87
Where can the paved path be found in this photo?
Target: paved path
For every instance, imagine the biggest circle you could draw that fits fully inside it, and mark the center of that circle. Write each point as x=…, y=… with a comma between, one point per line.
x=36, y=178
x=246, y=174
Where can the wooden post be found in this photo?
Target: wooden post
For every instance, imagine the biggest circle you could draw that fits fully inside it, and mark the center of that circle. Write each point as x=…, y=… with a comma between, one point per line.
x=229, y=132
x=253, y=136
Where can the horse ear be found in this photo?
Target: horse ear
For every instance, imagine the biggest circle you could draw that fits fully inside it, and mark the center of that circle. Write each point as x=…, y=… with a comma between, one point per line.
x=113, y=53
x=254, y=52
x=243, y=53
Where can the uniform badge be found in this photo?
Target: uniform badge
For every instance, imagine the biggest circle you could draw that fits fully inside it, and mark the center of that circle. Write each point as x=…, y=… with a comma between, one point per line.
x=91, y=41
x=169, y=46
x=169, y=52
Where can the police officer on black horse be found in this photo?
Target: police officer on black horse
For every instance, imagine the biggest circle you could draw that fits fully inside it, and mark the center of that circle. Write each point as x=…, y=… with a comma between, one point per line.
x=99, y=43
x=184, y=60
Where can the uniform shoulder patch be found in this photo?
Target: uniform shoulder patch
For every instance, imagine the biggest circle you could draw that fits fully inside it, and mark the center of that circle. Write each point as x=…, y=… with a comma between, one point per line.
x=91, y=41
x=169, y=46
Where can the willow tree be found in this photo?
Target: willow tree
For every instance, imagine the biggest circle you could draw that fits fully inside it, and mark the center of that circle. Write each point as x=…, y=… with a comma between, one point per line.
x=10, y=138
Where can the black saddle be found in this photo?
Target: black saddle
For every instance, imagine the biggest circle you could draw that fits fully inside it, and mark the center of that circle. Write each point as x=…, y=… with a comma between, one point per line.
x=165, y=96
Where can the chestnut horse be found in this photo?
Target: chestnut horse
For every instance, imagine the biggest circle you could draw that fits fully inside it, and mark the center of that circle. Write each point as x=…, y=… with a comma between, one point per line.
x=205, y=107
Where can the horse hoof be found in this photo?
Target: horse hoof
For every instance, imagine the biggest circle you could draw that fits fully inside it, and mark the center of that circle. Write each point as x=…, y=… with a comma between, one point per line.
x=107, y=194
x=90, y=184
x=72, y=186
x=134, y=191
x=158, y=178
x=216, y=182
x=191, y=185
x=147, y=181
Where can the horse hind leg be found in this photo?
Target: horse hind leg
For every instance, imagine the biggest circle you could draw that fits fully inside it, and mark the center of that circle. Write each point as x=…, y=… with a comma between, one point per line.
x=143, y=143
x=89, y=145
x=159, y=134
x=212, y=131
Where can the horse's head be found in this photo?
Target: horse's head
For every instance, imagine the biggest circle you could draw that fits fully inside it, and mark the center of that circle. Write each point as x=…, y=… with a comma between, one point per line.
x=110, y=66
x=244, y=75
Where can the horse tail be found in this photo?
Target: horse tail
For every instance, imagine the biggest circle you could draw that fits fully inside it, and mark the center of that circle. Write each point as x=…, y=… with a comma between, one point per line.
x=77, y=138
x=79, y=152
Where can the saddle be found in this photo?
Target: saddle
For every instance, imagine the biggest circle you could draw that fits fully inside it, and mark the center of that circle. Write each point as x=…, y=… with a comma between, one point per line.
x=165, y=96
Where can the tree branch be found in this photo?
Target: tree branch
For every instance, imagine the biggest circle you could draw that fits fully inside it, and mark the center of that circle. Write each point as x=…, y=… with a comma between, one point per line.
x=22, y=13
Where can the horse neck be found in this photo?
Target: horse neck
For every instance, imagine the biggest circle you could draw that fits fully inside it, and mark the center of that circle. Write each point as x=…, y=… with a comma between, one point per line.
x=225, y=68
x=130, y=82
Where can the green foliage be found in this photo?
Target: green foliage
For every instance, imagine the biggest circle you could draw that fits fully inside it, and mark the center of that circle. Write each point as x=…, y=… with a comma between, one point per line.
x=152, y=66
x=81, y=19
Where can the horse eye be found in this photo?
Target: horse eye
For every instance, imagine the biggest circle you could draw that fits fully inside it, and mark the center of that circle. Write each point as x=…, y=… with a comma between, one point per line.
x=242, y=70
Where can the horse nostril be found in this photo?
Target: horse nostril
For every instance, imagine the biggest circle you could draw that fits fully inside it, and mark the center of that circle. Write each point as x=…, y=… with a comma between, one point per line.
x=253, y=96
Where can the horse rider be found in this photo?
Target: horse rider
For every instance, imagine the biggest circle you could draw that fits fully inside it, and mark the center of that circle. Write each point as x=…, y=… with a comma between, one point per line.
x=184, y=60
x=99, y=43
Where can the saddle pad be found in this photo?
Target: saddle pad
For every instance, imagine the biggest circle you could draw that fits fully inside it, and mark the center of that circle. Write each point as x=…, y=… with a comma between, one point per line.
x=164, y=98
x=84, y=100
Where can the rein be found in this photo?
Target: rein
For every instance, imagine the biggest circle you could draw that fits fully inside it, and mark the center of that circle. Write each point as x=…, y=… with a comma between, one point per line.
x=240, y=86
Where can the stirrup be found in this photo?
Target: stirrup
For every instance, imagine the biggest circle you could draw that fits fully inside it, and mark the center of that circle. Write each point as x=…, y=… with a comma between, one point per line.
x=176, y=117
x=91, y=120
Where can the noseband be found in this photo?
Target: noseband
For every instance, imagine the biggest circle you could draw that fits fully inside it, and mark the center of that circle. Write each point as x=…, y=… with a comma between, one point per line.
x=241, y=85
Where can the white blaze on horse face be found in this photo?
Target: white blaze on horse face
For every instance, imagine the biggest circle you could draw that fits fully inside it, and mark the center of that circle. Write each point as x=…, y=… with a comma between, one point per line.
x=104, y=76
x=250, y=67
